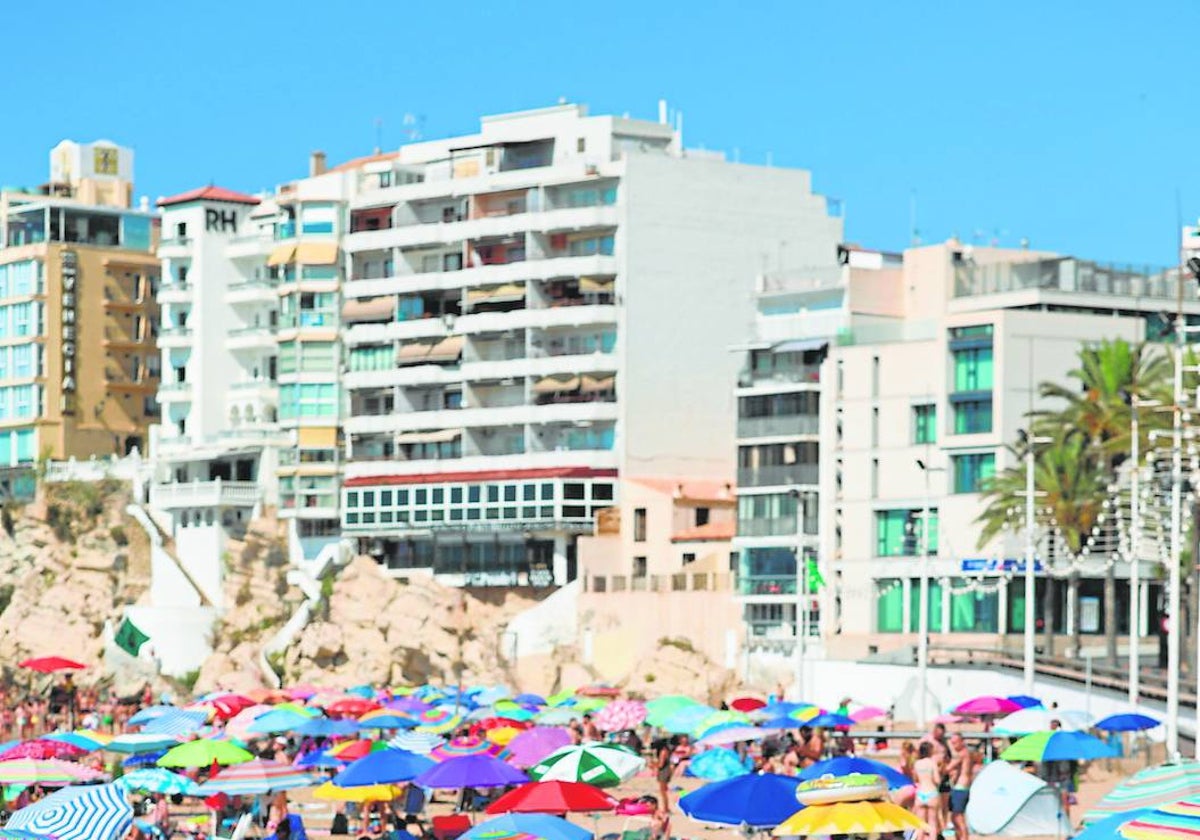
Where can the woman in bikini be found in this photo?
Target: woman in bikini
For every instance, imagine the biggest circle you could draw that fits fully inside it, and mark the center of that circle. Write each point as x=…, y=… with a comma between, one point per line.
x=928, y=776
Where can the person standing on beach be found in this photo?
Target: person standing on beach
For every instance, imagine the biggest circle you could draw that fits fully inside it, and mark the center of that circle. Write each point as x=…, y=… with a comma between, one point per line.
x=960, y=770
x=663, y=770
x=927, y=808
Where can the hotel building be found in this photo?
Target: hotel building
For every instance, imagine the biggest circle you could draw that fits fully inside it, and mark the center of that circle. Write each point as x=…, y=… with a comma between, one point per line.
x=78, y=364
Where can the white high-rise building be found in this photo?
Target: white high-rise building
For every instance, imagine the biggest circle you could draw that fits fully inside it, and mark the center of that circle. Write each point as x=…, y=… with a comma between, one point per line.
x=539, y=308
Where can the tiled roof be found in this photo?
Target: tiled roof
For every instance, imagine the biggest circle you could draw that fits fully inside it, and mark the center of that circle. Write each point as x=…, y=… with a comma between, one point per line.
x=209, y=193
x=711, y=531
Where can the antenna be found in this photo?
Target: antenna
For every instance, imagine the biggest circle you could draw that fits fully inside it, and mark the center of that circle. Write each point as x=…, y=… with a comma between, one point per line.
x=378, y=135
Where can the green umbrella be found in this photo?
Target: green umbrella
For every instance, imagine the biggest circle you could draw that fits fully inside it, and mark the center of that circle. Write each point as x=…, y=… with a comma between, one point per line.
x=601, y=765
x=661, y=708
x=203, y=753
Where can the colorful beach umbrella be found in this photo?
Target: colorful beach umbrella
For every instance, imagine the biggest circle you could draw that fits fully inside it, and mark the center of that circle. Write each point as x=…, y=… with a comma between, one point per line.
x=438, y=720
x=1149, y=788
x=1108, y=828
x=527, y=827
x=473, y=771
x=41, y=748
x=352, y=706
x=848, y=818
x=986, y=706
x=717, y=764
x=50, y=664
x=471, y=745
x=203, y=753
x=386, y=719
x=421, y=743
x=553, y=798
x=734, y=733
x=276, y=721
x=354, y=750
x=48, y=772
x=527, y=699
x=140, y=742
x=84, y=740
x=363, y=793
x=327, y=728
x=91, y=812
x=620, y=715
x=747, y=704
x=602, y=765
x=1057, y=746
x=831, y=720
x=710, y=722
x=756, y=801
x=256, y=778
x=144, y=716
x=1176, y=821
x=158, y=780
x=1127, y=723
x=532, y=745
x=176, y=723
x=865, y=713
x=386, y=767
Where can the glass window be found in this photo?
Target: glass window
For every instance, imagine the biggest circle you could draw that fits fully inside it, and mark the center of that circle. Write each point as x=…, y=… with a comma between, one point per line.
x=925, y=423
x=973, y=417
x=974, y=611
x=898, y=532
x=934, y=602
x=971, y=470
x=889, y=606
x=973, y=369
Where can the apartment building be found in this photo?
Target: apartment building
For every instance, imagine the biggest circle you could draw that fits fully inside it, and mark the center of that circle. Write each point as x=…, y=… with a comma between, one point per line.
x=532, y=312
x=878, y=397
x=78, y=364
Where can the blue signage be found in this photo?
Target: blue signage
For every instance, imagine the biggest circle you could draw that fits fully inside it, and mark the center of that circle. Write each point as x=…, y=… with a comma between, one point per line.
x=997, y=565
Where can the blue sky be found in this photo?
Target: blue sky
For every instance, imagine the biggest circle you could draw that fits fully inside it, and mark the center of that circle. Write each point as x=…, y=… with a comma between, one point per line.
x=1073, y=125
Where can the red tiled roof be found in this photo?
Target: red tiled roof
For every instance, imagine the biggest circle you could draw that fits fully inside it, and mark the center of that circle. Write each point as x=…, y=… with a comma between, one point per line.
x=356, y=163
x=701, y=489
x=480, y=475
x=702, y=533
x=209, y=193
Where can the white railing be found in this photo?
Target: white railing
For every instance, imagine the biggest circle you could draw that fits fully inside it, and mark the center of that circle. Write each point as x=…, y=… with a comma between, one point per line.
x=131, y=468
x=205, y=494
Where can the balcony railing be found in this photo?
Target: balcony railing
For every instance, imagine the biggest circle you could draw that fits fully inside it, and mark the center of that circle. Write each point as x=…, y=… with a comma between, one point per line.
x=175, y=332
x=797, y=424
x=775, y=526
x=678, y=582
x=216, y=493
x=781, y=476
x=767, y=585
x=785, y=373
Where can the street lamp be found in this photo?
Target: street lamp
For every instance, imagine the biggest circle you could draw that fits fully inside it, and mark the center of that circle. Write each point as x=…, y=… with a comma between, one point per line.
x=1028, y=441
x=801, y=594
x=923, y=605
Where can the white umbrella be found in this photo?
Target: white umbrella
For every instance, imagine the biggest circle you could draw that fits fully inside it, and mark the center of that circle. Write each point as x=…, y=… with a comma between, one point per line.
x=91, y=812
x=1028, y=721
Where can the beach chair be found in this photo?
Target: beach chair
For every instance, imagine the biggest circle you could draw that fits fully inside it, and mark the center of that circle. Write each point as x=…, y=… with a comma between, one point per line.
x=450, y=826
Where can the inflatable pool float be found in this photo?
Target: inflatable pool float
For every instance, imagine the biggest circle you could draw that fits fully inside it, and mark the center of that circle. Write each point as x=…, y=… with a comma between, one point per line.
x=852, y=788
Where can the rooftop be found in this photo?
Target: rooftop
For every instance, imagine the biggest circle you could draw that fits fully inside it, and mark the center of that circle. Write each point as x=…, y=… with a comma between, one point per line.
x=690, y=489
x=704, y=533
x=209, y=193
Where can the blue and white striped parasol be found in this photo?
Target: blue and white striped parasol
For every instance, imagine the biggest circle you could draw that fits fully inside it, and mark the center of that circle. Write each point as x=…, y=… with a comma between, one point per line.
x=177, y=722
x=149, y=713
x=87, y=812
x=421, y=743
x=158, y=780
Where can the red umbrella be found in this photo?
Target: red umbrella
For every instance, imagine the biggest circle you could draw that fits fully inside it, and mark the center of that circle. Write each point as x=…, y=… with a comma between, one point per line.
x=50, y=664
x=747, y=704
x=353, y=706
x=552, y=798
x=228, y=705
x=598, y=691
x=41, y=748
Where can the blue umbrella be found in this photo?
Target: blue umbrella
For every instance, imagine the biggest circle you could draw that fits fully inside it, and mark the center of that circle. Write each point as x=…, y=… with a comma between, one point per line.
x=175, y=722
x=687, y=719
x=363, y=691
x=717, y=764
x=149, y=759
x=385, y=767
x=72, y=738
x=326, y=728
x=530, y=699
x=539, y=826
x=846, y=765
x=760, y=801
x=158, y=780
x=149, y=713
x=1128, y=723
x=829, y=720
x=474, y=771
x=277, y=720
x=779, y=709
x=84, y=812
x=1108, y=828
x=1025, y=701
x=387, y=721
x=319, y=758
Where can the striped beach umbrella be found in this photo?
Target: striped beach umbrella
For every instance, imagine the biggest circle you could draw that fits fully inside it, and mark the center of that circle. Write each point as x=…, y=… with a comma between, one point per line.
x=18, y=834
x=42, y=748
x=602, y=765
x=353, y=750
x=158, y=780
x=1149, y=788
x=847, y=818
x=48, y=772
x=1176, y=821
x=438, y=720
x=85, y=740
x=470, y=745
x=177, y=723
x=143, y=716
x=420, y=743
x=255, y=778
x=92, y=812
x=621, y=715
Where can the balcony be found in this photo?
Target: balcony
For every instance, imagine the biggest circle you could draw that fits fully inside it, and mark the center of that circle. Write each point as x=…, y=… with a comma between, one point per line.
x=485, y=275
x=118, y=337
x=249, y=245
x=392, y=466
x=195, y=494
x=779, y=476
x=175, y=293
x=255, y=390
x=172, y=337
x=473, y=417
x=774, y=526
x=767, y=585
x=782, y=374
x=251, y=338
x=175, y=248
x=793, y=426
x=174, y=392
x=251, y=290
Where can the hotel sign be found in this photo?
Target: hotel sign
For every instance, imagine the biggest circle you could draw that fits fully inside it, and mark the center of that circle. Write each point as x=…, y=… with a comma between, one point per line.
x=997, y=565
x=70, y=281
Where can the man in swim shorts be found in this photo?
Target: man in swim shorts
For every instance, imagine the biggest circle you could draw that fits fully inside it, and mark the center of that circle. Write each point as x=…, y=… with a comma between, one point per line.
x=960, y=772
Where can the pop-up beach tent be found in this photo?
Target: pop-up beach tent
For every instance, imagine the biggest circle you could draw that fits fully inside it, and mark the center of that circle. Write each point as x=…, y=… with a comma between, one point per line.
x=1009, y=802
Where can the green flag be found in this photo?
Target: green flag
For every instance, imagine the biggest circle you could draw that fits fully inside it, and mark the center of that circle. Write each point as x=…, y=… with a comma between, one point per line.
x=129, y=638
x=815, y=579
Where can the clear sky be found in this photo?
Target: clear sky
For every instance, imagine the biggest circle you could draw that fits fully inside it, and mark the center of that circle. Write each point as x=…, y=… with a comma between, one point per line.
x=1072, y=124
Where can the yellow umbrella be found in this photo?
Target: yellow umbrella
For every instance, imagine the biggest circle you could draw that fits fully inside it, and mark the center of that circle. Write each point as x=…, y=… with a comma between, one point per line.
x=848, y=818
x=364, y=793
x=503, y=735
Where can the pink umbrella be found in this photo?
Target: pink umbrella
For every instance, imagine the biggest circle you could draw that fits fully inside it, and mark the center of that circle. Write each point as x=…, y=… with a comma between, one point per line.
x=532, y=745
x=41, y=748
x=867, y=713
x=620, y=715
x=302, y=691
x=986, y=706
x=237, y=725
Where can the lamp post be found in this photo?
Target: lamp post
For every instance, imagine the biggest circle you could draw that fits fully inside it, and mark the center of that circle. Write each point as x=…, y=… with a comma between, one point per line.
x=801, y=595
x=1174, y=575
x=1028, y=440
x=923, y=605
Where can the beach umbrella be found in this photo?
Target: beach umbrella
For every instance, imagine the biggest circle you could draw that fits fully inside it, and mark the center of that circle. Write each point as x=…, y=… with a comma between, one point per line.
x=302, y=691
x=986, y=706
x=558, y=716
x=712, y=721
x=1108, y=828
x=660, y=709
x=620, y=715
x=501, y=736
x=527, y=827
x=237, y=725
x=1149, y=788
x=411, y=705
x=365, y=691
x=528, y=699
x=326, y=728
x=805, y=713
x=471, y=745
x=560, y=698
x=18, y=834
x=362, y=793
x=747, y=704
x=685, y=720
x=438, y=720
x=421, y=743
x=553, y=798
x=41, y=748
x=84, y=740
x=779, y=709
x=1057, y=746
x=351, y=706
x=149, y=759
x=755, y=801
x=510, y=711
x=734, y=733
x=91, y=812
x=848, y=818
x=223, y=706
x=203, y=753
x=1025, y=721
x=1127, y=723
x=353, y=750
x=866, y=713
x=144, y=716
x=473, y=771
x=846, y=765
x=1025, y=701
x=277, y=720
x=386, y=719
x=385, y=767
x=321, y=759
x=1166, y=822
x=158, y=780
x=140, y=742
x=177, y=723
x=48, y=772
x=831, y=720
x=257, y=778
x=602, y=765
x=532, y=745
x=50, y=664
x=717, y=764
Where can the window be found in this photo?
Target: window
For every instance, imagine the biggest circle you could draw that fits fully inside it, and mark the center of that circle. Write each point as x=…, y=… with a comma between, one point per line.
x=689, y=558
x=639, y=567
x=971, y=470
x=974, y=612
x=639, y=525
x=972, y=417
x=591, y=245
x=889, y=606
x=702, y=514
x=898, y=532
x=581, y=144
x=973, y=369
x=924, y=419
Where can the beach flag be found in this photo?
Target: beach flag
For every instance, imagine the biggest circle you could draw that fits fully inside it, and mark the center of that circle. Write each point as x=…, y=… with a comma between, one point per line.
x=130, y=638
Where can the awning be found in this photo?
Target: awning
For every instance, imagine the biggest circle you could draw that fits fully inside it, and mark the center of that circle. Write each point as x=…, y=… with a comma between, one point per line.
x=447, y=349
x=596, y=284
x=592, y=384
x=369, y=310
x=414, y=351
x=315, y=437
x=802, y=346
x=443, y=436
x=282, y=255
x=497, y=294
x=317, y=253
x=554, y=384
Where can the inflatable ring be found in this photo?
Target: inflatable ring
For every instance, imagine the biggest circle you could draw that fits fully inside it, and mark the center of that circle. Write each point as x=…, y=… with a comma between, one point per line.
x=852, y=788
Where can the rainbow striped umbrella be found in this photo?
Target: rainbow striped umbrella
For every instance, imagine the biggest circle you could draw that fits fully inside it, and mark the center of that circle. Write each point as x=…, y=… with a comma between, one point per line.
x=1177, y=821
x=438, y=720
x=352, y=750
x=255, y=778
x=1149, y=788
x=470, y=745
x=49, y=772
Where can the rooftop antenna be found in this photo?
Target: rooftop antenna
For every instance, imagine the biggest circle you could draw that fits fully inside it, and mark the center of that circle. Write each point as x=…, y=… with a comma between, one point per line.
x=914, y=231
x=378, y=135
